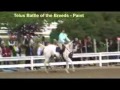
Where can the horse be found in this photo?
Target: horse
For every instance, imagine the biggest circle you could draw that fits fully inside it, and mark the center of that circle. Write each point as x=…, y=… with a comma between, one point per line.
x=50, y=50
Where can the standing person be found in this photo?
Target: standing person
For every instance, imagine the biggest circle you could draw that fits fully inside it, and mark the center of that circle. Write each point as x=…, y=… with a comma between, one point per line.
x=26, y=40
x=0, y=41
x=20, y=49
x=31, y=42
x=27, y=50
x=11, y=43
x=39, y=53
x=43, y=40
x=75, y=44
x=6, y=52
x=55, y=42
x=31, y=50
x=0, y=53
x=89, y=45
x=27, y=53
x=39, y=50
x=79, y=46
x=17, y=50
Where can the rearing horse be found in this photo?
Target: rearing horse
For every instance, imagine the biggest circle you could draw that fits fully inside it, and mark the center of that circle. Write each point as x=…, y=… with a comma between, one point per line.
x=50, y=50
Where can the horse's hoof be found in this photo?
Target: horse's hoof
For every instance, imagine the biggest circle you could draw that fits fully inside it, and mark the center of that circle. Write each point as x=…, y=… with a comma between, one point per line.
x=46, y=71
x=34, y=69
x=73, y=70
x=67, y=71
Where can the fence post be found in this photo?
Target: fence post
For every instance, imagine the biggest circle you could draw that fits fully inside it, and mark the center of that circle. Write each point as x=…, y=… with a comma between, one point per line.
x=107, y=46
x=81, y=51
x=95, y=47
x=31, y=61
x=100, y=60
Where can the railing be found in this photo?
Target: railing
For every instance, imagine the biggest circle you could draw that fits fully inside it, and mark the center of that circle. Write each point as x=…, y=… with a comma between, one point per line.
x=4, y=34
x=99, y=58
x=4, y=31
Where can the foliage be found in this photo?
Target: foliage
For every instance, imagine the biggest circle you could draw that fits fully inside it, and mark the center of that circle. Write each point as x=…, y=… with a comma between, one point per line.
x=98, y=25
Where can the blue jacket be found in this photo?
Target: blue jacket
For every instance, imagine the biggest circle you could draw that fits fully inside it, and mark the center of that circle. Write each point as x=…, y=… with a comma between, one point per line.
x=63, y=38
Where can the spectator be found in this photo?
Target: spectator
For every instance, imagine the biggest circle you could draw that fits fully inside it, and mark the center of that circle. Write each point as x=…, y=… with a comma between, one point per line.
x=31, y=50
x=27, y=50
x=55, y=42
x=46, y=43
x=26, y=40
x=43, y=40
x=76, y=48
x=89, y=44
x=39, y=50
x=79, y=47
x=11, y=43
x=39, y=53
x=27, y=53
x=0, y=41
x=31, y=41
x=0, y=52
x=16, y=50
x=6, y=52
x=75, y=43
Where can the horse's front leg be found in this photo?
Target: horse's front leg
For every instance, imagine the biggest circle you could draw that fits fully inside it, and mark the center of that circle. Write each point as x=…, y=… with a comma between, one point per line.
x=73, y=68
x=67, y=67
x=67, y=64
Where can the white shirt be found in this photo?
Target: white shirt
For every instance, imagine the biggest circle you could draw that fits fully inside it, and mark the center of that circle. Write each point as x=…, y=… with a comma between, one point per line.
x=11, y=44
x=39, y=51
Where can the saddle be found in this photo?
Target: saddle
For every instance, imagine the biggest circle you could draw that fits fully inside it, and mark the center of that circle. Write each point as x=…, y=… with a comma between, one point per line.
x=60, y=50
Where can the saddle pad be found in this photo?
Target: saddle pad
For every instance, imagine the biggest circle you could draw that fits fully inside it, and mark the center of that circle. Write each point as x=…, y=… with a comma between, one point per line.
x=58, y=49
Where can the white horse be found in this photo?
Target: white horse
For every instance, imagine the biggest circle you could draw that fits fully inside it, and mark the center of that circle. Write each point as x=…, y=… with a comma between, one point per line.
x=50, y=50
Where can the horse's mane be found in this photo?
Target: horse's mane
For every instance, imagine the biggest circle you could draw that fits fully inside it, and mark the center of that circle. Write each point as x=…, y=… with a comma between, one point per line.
x=71, y=42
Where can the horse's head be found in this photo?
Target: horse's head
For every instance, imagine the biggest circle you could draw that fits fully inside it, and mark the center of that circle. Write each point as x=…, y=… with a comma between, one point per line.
x=69, y=46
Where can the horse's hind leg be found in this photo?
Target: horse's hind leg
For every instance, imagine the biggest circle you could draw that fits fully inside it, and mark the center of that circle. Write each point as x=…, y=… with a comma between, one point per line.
x=45, y=63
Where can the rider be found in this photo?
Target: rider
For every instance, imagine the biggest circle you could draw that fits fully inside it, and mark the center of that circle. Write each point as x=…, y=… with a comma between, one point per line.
x=62, y=39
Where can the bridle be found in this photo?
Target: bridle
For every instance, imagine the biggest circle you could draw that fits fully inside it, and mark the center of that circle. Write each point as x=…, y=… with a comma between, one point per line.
x=68, y=49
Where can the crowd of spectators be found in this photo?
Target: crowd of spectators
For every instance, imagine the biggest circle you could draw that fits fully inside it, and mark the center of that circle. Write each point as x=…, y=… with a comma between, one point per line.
x=14, y=48
x=29, y=47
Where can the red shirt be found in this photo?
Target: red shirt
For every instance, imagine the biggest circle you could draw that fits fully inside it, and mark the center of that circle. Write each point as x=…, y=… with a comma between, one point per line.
x=6, y=52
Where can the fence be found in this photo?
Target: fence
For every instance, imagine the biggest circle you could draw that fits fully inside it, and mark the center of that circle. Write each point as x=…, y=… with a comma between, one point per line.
x=4, y=33
x=102, y=57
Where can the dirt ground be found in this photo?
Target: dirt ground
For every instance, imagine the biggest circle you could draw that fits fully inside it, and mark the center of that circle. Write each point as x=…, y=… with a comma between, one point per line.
x=91, y=72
